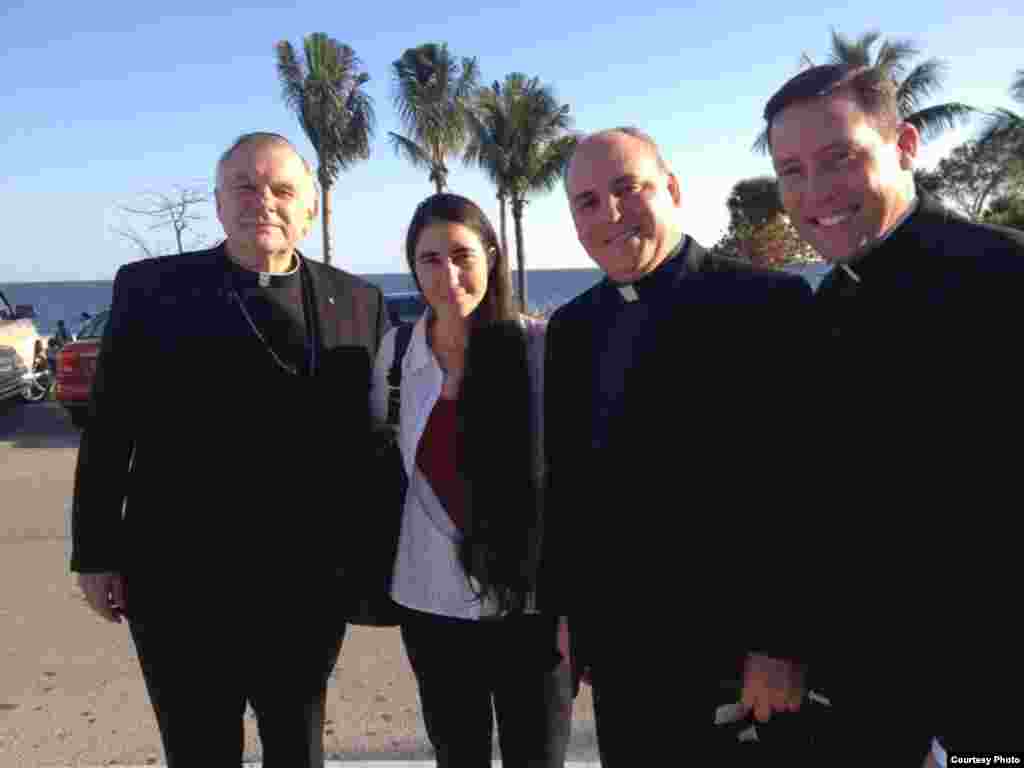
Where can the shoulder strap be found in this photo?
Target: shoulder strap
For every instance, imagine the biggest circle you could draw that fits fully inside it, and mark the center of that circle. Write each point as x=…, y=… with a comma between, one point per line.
x=402, y=337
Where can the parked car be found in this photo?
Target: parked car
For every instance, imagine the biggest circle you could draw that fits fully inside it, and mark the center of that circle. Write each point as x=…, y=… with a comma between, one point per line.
x=404, y=306
x=18, y=337
x=12, y=374
x=76, y=366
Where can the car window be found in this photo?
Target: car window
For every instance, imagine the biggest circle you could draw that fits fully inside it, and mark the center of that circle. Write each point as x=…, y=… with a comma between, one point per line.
x=93, y=329
x=406, y=309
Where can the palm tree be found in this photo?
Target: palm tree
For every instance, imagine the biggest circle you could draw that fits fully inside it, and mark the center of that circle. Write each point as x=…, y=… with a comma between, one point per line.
x=431, y=95
x=912, y=88
x=518, y=137
x=1005, y=122
x=334, y=110
x=492, y=138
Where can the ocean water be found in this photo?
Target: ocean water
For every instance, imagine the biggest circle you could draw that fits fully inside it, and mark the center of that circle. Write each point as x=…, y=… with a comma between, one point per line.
x=545, y=290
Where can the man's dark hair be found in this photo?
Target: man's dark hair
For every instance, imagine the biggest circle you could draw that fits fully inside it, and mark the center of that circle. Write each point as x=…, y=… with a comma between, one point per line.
x=873, y=91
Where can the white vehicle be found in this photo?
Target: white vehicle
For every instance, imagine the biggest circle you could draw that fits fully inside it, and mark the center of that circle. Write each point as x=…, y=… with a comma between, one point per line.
x=18, y=336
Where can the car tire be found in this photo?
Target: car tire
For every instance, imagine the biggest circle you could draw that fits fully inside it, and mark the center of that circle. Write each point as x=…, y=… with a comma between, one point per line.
x=79, y=416
x=38, y=390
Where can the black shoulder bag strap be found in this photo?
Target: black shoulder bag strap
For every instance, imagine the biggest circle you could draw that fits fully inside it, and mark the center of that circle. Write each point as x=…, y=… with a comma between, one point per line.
x=402, y=337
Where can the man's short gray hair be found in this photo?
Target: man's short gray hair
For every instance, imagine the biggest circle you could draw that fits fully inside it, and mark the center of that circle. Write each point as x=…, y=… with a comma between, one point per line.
x=626, y=130
x=264, y=137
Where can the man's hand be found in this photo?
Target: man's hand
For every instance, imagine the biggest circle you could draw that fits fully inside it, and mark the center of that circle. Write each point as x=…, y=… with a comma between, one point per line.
x=563, y=648
x=772, y=685
x=104, y=592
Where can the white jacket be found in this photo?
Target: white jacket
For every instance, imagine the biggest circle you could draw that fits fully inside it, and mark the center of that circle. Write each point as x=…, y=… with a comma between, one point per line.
x=428, y=576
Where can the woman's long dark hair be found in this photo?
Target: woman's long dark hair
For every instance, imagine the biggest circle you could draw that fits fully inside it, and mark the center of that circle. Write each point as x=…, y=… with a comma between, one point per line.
x=495, y=441
x=495, y=457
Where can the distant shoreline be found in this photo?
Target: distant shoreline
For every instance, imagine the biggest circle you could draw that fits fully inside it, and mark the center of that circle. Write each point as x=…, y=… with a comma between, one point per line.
x=371, y=276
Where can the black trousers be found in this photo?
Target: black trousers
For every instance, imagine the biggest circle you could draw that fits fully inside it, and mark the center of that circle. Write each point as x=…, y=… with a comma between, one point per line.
x=201, y=673
x=470, y=672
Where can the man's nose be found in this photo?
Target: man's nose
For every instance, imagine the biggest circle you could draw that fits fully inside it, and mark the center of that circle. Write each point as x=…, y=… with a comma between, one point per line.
x=614, y=208
x=264, y=197
x=453, y=272
x=819, y=188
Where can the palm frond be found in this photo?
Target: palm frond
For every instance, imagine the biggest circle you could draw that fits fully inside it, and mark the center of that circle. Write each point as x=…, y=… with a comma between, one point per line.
x=1000, y=124
x=852, y=53
x=417, y=156
x=933, y=121
x=761, y=144
x=290, y=73
x=433, y=95
x=468, y=79
x=1017, y=87
x=893, y=56
x=550, y=163
x=326, y=93
x=923, y=81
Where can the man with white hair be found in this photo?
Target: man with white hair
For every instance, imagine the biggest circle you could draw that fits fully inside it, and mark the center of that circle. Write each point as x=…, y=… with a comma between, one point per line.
x=228, y=440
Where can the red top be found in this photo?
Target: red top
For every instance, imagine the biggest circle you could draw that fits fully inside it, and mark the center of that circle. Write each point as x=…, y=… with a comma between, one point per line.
x=436, y=459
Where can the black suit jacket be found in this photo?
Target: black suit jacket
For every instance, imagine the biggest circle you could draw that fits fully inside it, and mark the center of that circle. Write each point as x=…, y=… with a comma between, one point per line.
x=656, y=543
x=206, y=468
x=923, y=408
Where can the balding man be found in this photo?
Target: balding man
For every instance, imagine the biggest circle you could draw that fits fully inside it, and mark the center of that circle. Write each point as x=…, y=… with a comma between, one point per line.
x=668, y=483
x=221, y=476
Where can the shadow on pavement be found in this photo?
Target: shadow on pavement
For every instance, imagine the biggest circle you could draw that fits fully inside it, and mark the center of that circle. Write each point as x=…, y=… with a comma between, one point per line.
x=36, y=425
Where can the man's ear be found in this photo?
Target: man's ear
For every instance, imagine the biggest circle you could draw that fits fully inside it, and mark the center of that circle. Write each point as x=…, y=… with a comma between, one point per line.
x=907, y=143
x=674, y=190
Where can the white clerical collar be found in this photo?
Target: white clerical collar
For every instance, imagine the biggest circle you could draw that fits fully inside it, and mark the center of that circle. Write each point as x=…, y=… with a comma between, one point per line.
x=628, y=292
x=265, y=277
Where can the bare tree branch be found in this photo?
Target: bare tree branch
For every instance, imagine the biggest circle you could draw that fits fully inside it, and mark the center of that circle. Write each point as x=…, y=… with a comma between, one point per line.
x=128, y=233
x=175, y=211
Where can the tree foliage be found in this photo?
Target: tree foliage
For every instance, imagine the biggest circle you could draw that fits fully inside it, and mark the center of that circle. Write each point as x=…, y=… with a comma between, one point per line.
x=326, y=91
x=759, y=230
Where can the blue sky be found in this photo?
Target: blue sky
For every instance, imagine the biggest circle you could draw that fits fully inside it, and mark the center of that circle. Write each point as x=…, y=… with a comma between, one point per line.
x=104, y=101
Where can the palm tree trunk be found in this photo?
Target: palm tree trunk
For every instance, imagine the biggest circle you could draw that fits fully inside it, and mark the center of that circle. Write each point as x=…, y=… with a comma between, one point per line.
x=325, y=192
x=517, y=214
x=503, y=218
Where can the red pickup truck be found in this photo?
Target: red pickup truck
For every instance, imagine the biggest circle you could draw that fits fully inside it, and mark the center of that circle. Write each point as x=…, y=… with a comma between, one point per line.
x=76, y=366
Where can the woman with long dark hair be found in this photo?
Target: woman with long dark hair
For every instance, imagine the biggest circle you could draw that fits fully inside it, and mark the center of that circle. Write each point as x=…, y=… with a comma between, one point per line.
x=470, y=432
